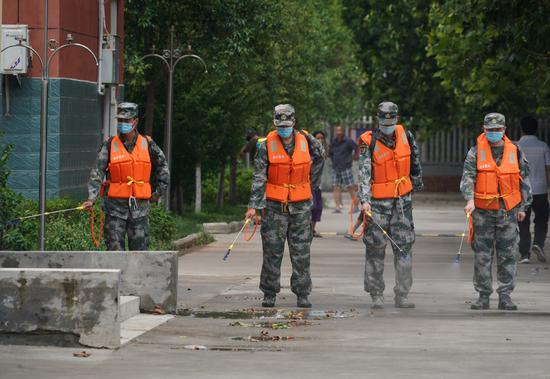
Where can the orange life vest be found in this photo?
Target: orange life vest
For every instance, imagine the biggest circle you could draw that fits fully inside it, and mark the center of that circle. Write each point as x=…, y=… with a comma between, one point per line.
x=130, y=173
x=288, y=177
x=497, y=182
x=391, y=169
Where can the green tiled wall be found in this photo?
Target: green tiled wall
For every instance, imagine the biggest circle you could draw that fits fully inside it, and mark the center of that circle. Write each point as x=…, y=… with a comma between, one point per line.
x=74, y=135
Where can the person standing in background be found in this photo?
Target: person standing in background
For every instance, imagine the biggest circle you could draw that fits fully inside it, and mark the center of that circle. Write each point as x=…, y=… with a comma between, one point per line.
x=317, y=209
x=342, y=151
x=251, y=144
x=537, y=154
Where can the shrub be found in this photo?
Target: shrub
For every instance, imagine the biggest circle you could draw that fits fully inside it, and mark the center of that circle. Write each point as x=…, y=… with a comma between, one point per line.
x=210, y=186
x=163, y=228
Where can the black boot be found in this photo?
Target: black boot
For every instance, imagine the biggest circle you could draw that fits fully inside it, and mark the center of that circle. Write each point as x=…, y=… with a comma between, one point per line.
x=269, y=301
x=403, y=302
x=377, y=302
x=505, y=303
x=303, y=302
x=481, y=303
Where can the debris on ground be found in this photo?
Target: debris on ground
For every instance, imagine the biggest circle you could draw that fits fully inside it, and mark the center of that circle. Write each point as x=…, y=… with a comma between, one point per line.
x=82, y=354
x=241, y=324
x=158, y=310
x=264, y=337
x=290, y=315
x=313, y=315
x=272, y=325
x=195, y=347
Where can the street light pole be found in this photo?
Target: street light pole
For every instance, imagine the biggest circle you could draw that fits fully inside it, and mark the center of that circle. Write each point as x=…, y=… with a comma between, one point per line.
x=169, y=105
x=43, y=137
x=171, y=57
x=44, y=81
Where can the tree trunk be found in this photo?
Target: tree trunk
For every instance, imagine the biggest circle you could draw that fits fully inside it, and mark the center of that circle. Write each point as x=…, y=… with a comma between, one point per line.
x=150, y=103
x=221, y=185
x=198, y=188
x=179, y=198
x=233, y=190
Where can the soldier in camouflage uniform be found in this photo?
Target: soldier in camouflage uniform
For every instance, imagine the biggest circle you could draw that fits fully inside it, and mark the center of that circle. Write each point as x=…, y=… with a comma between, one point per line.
x=495, y=215
x=285, y=219
x=391, y=210
x=127, y=216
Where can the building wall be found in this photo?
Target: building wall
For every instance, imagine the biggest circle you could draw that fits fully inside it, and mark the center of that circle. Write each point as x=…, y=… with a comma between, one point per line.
x=75, y=107
x=73, y=135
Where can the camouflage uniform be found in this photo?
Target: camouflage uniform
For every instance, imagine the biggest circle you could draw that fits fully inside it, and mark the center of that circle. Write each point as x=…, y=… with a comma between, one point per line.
x=125, y=216
x=280, y=223
x=395, y=216
x=495, y=230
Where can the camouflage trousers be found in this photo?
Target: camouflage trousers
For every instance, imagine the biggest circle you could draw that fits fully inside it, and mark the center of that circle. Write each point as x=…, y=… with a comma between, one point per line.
x=116, y=229
x=401, y=230
x=296, y=229
x=495, y=232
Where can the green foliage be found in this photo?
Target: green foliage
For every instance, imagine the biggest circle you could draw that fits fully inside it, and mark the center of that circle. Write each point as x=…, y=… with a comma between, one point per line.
x=71, y=231
x=211, y=181
x=493, y=55
x=163, y=228
x=446, y=63
x=259, y=53
x=394, y=37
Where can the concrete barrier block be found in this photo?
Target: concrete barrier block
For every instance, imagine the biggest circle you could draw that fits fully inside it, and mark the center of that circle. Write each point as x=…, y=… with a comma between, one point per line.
x=222, y=227
x=153, y=276
x=74, y=301
x=187, y=241
x=216, y=227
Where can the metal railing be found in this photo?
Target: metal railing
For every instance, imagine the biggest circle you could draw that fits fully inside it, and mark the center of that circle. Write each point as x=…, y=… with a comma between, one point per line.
x=451, y=146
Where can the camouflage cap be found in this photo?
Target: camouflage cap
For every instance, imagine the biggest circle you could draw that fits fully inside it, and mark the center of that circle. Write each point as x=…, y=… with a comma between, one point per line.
x=127, y=110
x=494, y=121
x=387, y=113
x=284, y=115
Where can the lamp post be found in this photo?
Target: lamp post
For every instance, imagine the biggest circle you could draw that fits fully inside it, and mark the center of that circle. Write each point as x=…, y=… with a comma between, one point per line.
x=171, y=57
x=45, y=62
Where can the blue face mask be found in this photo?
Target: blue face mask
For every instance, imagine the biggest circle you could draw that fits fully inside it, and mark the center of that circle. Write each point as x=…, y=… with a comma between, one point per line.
x=494, y=137
x=387, y=130
x=284, y=131
x=125, y=127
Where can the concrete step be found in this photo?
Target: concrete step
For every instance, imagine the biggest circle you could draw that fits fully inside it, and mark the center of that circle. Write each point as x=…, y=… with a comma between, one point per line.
x=137, y=325
x=128, y=307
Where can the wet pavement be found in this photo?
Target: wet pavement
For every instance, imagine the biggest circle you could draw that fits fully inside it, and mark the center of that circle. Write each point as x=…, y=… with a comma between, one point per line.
x=222, y=331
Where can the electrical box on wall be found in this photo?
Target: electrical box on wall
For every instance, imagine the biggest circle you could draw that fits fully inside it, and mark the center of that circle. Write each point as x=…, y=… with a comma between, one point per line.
x=110, y=61
x=14, y=60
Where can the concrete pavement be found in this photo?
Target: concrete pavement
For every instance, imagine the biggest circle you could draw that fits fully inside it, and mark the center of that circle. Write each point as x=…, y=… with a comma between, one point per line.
x=441, y=338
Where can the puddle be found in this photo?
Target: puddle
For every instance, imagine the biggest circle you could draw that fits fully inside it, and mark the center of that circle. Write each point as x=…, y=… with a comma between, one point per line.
x=249, y=349
x=272, y=325
x=264, y=336
x=261, y=314
x=243, y=314
x=314, y=315
x=230, y=348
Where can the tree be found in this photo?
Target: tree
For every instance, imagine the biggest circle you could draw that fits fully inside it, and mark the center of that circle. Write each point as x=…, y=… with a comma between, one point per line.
x=259, y=53
x=394, y=37
x=493, y=55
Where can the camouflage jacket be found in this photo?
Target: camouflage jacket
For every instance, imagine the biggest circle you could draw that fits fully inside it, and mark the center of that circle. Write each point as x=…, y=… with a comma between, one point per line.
x=122, y=208
x=469, y=175
x=259, y=179
x=365, y=171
